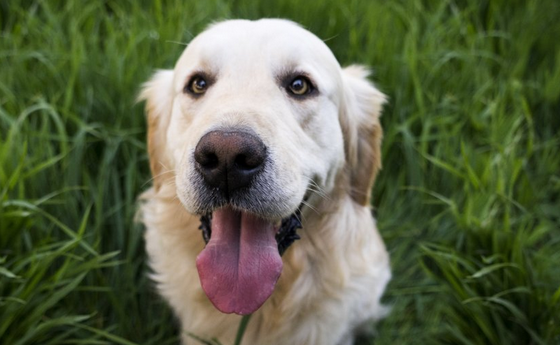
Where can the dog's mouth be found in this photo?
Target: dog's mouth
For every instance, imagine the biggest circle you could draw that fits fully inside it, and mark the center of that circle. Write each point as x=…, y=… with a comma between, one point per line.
x=241, y=263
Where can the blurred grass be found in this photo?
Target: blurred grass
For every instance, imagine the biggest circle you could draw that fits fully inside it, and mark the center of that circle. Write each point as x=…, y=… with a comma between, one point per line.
x=468, y=201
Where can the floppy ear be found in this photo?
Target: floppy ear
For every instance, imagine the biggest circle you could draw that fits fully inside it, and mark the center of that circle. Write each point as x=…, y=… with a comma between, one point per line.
x=158, y=94
x=362, y=131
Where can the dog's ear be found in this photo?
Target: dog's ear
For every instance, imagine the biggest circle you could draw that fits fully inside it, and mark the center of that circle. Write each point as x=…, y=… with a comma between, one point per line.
x=359, y=117
x=158, y=94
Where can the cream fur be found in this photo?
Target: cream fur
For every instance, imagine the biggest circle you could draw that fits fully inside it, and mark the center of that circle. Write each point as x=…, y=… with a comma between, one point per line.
x=333, y=278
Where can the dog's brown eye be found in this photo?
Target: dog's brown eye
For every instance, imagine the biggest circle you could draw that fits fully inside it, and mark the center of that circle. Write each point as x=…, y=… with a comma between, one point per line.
x=197, y=85
x=300, y=86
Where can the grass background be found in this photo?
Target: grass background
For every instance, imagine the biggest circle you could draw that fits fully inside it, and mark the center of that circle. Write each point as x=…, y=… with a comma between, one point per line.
x=468, y=201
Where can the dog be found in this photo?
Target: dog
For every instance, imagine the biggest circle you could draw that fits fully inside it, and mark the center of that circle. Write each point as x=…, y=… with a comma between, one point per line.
x=257, y=139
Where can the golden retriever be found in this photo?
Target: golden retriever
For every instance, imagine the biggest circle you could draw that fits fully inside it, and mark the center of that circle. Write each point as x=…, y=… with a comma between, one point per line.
x=256, y=129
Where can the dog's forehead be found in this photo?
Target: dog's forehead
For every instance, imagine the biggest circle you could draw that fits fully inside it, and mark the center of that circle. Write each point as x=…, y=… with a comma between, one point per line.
x=254, y=43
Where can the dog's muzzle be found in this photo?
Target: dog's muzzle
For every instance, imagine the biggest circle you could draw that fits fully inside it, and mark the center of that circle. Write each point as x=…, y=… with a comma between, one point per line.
x=241, y=263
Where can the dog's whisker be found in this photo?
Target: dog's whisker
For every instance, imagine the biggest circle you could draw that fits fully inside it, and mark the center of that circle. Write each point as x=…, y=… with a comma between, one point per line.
x=320, y=193
x=159, y=175
x=178, y=42
x=318, y=189
x=310, y=206
x=330, y=38
x=299, y=215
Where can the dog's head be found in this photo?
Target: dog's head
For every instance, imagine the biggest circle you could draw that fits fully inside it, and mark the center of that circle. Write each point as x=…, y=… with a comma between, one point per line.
x=255, y=119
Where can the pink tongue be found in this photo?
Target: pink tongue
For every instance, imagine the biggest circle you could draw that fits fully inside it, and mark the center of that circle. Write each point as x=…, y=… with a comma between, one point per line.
x=240, y=265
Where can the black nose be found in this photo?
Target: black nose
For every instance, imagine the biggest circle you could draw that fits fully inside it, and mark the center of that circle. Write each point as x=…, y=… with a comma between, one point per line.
x=229, y=160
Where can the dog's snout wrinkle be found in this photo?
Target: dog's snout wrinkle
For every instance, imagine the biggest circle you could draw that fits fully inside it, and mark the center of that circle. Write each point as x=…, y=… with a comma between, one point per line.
x=229, y=160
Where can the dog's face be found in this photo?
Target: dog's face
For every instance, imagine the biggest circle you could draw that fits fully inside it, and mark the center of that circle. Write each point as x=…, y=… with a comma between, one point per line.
x=255, y=119
x=270, y=81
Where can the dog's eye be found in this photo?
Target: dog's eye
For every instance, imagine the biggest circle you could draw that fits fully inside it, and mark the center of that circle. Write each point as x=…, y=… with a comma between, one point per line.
x=197, y=85
x=300, y=86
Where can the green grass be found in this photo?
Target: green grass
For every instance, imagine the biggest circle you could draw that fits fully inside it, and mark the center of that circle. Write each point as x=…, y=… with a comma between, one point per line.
x=468, y=201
